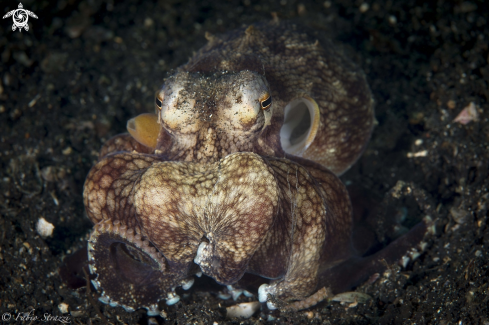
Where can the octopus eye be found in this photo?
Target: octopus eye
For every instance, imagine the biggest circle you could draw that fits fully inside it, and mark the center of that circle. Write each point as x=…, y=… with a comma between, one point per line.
x=266, y=101
x=159, y=100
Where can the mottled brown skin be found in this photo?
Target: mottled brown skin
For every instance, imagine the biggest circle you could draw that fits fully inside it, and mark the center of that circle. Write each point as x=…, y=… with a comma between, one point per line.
x=297, y=64
x=294, y=64
x=218, y=194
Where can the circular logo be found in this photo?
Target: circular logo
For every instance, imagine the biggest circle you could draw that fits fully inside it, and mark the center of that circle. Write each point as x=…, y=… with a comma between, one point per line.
x=20, y=18
x=6, y=317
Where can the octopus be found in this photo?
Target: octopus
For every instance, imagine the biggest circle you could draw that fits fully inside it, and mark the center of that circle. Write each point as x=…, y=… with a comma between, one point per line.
x=235, y=176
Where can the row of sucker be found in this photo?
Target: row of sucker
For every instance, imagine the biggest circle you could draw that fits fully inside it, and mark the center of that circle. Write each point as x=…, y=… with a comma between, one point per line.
x=135, y=237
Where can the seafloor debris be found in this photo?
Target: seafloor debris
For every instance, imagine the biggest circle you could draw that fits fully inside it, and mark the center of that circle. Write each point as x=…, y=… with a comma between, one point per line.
x=63, y=307
x=422, y=153
x=352, y=296
x=244, y=310
x=44, y=228
x=468, y=114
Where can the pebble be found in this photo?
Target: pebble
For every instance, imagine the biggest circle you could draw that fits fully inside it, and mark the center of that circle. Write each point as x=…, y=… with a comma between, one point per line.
x=76, y=313
x=44, y=228
x=34, y=100
x=451, y=104
x=467, y=115
x=364, y=7
x=422, y=153
x=63, y=307
x=148, y=22
x=67, y=151
x=243, y=310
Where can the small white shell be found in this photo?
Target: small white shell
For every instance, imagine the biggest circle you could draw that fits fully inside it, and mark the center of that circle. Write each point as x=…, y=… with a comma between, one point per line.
x=244, y=310
x=63, y=307
x=44, y=228
x=352, y=296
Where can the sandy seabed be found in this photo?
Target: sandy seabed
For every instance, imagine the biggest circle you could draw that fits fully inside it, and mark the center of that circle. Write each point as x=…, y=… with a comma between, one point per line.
x=84, y=68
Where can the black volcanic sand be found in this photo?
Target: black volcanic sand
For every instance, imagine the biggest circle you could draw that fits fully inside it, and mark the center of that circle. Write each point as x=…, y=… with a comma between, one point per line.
x=84, y=68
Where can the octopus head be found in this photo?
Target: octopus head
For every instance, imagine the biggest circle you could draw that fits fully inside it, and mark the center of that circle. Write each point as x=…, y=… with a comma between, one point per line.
x=213, y=114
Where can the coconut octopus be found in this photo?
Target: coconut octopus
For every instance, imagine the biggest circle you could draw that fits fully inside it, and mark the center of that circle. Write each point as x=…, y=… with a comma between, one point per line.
x=236, y=174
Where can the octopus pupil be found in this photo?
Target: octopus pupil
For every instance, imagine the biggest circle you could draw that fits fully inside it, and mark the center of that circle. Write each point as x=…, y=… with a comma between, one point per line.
x=158, y=103
x=266, y=103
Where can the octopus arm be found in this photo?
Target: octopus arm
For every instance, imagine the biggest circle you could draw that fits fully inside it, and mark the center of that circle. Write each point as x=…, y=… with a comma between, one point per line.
x=320, y=222
x=239, y=214
x=123, y=142
x=356, y=270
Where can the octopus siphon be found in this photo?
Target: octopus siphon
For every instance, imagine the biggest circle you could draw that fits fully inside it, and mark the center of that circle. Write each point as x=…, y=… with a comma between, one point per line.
x=235, y=177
